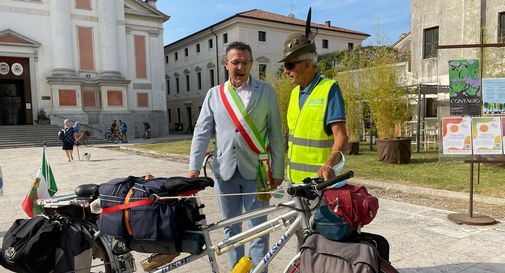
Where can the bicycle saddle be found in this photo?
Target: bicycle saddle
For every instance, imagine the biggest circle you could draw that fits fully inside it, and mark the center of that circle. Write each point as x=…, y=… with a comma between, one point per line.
x=87, y=190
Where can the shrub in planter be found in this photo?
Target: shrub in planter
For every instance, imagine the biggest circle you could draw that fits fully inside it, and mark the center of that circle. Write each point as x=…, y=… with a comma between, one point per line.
x=42, y=117
x=350, y=85
x=374, y=80
x=389, y=106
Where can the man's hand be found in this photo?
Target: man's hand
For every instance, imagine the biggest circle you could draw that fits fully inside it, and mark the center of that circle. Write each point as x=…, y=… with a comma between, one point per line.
x=326, y=172
x=274, y=183
x=193, y=174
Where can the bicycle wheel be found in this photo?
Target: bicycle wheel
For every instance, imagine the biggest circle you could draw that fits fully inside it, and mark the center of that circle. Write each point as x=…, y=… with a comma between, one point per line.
x=100, y=262
x=108, y=136
x=115, y=139
x=87, y=142
x=294, y=265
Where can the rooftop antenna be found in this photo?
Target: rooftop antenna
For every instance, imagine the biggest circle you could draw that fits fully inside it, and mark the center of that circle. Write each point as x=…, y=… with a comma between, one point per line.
x=291, y=14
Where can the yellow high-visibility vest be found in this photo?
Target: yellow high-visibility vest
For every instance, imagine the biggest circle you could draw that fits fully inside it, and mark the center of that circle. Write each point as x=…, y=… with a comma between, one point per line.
x=308, y=145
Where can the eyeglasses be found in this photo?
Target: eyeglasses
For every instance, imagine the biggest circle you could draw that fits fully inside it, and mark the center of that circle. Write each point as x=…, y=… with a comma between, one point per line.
x=291, y=65
x=238, y=62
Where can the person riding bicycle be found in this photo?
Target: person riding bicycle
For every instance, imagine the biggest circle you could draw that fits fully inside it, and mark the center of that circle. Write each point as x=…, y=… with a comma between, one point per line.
x=113, y=127
x=147, y=130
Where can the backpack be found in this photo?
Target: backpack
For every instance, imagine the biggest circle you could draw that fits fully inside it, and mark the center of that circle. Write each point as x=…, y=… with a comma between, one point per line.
x=330, y=225
x=61, y=134
x=321, y=255
x=353, y=203
x=29, y=246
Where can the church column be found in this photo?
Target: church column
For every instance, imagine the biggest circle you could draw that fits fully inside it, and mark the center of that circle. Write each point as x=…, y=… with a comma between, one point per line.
x=61, y=32
x=157, y=69
x=107, y=28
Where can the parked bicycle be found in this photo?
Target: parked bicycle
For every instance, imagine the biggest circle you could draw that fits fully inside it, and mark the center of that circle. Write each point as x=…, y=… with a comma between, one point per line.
x=295, y=216
x=85, y=139
x=290, y=216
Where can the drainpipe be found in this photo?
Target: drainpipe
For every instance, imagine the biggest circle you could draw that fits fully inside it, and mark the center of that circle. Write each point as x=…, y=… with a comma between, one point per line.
x=217, y=56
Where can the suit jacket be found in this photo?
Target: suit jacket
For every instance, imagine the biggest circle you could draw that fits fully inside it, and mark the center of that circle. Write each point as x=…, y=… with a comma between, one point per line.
x=231, y=151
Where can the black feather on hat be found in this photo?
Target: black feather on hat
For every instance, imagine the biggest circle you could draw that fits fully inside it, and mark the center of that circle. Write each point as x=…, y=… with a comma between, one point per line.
x=299, y=43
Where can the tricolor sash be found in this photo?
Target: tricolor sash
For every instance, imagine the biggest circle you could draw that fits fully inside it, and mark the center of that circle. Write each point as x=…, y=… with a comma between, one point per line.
x=244, y=124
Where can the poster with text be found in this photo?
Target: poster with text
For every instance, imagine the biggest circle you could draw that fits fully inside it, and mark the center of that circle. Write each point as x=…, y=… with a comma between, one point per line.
x=456, y=135
x=464, y=88
x=486, y=135
x=493, y=96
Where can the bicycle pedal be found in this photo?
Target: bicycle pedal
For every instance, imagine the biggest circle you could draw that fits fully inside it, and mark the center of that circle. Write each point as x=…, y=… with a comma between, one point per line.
x=157, y=260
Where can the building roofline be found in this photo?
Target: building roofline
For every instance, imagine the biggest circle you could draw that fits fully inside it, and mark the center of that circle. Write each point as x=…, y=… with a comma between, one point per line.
x=243, y=15
x=403, y=36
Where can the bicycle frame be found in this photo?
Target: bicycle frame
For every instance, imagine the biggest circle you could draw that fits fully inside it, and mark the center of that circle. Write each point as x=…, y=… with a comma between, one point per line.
x=291, y=221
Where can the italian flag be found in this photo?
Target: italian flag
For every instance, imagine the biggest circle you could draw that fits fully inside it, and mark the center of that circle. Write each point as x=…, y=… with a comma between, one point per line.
x=43, y=187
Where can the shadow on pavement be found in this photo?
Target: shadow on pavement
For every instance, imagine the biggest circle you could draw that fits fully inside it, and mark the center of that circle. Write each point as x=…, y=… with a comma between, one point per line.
x=459, y=267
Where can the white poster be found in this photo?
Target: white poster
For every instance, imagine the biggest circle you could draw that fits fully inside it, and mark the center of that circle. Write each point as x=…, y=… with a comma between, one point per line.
x=456, y=136
x=486, y=135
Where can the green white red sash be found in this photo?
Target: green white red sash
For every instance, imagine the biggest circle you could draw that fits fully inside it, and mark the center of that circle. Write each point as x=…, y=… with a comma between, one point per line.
x=244, y=124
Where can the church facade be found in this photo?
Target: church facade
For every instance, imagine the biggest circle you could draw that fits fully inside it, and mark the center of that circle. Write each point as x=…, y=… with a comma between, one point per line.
x=91, y=61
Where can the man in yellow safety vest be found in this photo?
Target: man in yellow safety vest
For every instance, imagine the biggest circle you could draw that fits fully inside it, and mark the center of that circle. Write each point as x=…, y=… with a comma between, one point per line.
x=316, y=116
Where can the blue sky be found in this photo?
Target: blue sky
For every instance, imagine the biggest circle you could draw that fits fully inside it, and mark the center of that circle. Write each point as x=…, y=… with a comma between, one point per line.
x=391, y=17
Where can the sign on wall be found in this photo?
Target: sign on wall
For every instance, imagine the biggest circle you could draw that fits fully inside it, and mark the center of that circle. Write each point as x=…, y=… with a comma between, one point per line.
x=493, y=96
x=464, y=88
x=456, y=135
x=486, y=135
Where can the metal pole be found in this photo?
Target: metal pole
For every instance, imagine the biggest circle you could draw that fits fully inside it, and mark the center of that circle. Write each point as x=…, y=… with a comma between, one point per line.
x=418, y=134
x=371, y=141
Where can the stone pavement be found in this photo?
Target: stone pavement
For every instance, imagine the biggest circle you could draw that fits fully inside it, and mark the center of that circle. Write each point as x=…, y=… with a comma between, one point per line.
x=422, y=239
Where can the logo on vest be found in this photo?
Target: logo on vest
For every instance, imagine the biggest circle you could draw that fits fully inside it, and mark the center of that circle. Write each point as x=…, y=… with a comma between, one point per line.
x=316, y=102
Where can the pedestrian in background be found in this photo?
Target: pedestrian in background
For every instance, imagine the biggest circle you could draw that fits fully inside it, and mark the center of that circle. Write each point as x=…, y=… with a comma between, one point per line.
x=68, y=139
x=124, y=129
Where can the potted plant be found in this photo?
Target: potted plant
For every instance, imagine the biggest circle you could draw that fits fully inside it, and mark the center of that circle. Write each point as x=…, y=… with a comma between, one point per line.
x=349, y=80
x=389, y=106
x=42, y=117
x=283, y=88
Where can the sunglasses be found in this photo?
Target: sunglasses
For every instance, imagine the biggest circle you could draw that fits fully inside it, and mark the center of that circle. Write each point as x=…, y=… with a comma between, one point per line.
x=291, y=65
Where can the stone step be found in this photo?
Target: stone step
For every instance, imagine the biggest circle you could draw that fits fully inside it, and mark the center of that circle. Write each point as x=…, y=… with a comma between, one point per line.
x=34, y=136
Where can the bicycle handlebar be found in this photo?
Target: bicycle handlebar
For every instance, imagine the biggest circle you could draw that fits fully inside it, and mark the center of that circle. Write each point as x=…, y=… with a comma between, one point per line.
x=309, y=190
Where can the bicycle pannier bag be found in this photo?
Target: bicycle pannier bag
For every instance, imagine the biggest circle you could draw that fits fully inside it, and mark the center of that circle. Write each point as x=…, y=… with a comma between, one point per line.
x=160, y=221
x=75, y=249
x=29, y=246
x=353, y=203
x=147, y=220
x=330, y=225
x=321, y=255
x=112, y=194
